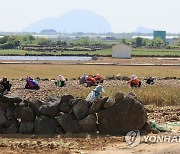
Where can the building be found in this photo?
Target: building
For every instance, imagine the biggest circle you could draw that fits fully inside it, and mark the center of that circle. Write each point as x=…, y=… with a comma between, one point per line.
x=121, y=51
x=161, y=34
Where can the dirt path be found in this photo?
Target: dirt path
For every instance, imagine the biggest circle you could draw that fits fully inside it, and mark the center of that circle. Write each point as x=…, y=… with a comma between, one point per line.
x=158, y=148
x=81, y=145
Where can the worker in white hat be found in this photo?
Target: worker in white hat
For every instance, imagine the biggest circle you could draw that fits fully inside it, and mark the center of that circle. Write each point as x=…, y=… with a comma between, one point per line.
x=95, y=93
x=134, y=82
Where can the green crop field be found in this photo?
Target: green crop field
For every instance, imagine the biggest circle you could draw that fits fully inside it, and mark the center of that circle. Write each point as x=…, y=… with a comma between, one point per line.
x=17, y=52
x=161, y=52
x=141, y=52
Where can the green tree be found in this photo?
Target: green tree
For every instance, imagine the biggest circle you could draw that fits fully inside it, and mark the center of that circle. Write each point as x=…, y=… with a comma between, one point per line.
x=158, y=42
x=9, y=42
x=138, y=42
x=44, y=42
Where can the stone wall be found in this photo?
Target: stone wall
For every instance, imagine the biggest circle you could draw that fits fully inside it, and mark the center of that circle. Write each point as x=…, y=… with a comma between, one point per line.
x=67, y=114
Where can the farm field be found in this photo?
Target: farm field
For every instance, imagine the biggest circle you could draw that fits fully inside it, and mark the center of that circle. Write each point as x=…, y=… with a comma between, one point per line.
x=160, y=99
x=74, y=71
x=104, y=52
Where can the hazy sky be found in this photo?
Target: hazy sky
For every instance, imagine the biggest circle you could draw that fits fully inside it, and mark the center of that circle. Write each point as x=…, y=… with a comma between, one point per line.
x=123, y=15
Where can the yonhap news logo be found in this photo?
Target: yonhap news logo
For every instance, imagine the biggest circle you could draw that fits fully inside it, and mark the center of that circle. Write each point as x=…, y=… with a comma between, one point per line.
x=133, y=138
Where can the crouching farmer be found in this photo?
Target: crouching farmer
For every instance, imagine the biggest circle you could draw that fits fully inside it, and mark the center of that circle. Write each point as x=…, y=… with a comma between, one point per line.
x=5, y=85
x=150, y=80
x=61, y=81
x=31, y=84
x=134, y=82
x=90, y=81
x=98, y=78
x=95, y=93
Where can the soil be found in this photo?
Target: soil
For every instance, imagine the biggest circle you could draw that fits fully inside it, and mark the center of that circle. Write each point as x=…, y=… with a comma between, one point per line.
x=81, y=144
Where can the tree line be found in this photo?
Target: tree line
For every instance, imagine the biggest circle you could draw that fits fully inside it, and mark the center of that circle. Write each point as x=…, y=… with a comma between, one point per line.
x=16, y=42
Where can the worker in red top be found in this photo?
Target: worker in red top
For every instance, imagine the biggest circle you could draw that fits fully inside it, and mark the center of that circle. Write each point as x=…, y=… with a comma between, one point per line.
x=98, y=78
x=90, y=81
x=134, y=82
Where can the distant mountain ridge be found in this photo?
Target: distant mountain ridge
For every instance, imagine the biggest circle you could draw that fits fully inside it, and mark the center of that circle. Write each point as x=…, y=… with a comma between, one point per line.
x=73, y=21
x=144, y=30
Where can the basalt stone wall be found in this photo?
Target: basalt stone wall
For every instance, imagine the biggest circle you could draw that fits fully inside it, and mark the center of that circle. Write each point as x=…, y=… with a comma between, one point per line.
x=67, y=114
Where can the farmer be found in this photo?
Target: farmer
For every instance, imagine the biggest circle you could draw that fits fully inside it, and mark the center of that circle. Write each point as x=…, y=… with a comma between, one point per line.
x=134, y=82
x=31, y=83
x=95, y=93
x=90, y=81
x=150, y=80
x=6, y=86
x=98, y=78
x=60, y=81
x=82, y=79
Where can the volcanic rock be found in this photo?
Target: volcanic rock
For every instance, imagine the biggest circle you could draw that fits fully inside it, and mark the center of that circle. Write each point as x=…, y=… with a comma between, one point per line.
x=88, y=124
x=110, y=102
x=119, y=96
x=81, y=109
x=35, y=104
x=126, y=115
x=98, y=104
x=13, y=127
x=2, y=117
x=50, y=107
x=66, y=98
x=65, y=107
x=12, y=98
x=26, y=127
x=68, y=123
x=45, y=125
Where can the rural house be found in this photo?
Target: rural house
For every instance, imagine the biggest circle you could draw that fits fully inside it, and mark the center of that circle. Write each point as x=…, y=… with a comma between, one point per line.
x=121, y=51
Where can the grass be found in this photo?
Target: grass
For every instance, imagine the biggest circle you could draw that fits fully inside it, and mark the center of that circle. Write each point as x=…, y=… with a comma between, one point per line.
x=158, y=95
x=17, y=52
x=70, y=71
x=161, y=52
x=145, y=52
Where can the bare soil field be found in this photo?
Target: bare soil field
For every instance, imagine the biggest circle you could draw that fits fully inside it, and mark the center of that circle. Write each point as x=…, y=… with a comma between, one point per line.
x=80, y=144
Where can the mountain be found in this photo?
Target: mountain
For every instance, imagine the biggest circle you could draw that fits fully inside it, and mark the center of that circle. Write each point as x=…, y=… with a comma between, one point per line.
x=143, y=30
x=73, y=21
x=48, y=32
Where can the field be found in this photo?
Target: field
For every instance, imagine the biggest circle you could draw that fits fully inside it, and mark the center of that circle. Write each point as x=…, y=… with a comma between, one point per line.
x=104, y=52
x=162, y=101
x=71, y=71
x=163, y=93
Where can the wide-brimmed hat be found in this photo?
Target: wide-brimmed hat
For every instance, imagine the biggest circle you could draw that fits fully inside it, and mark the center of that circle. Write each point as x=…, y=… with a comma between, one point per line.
x=99, y=88
x=60, y=77
x=133, y=77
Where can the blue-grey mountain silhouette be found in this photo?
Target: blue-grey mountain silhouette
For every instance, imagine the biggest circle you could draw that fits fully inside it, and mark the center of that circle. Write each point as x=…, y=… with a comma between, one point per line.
x=48, y=31
x=143, y=30
x=73, y=21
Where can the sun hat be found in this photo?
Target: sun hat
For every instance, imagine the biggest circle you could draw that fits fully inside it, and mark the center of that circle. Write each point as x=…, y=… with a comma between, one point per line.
x=133, y=77
x=60, y=77
x=99, y=88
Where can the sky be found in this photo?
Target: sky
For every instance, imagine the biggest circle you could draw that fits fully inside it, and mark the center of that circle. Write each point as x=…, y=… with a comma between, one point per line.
x=123, y=15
